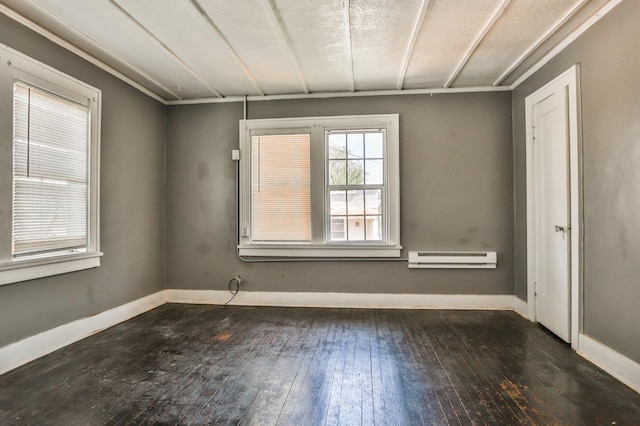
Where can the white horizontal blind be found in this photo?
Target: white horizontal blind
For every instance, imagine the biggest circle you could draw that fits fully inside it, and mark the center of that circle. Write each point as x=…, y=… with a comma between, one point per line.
x=50, y=144
x=280, y=188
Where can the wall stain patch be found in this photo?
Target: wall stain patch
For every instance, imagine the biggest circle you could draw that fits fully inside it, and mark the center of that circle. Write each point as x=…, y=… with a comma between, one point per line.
x=203, y=248
x=203, y=170
x=464, y=241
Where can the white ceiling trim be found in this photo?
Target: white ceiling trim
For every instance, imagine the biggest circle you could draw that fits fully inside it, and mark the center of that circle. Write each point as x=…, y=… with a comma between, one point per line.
x=102, y=47
x=234, y=55
x=417, y=27
x=81, y=53
x=327, y=95
x=545, y=36
x=346, y=5
x=284, y=40
x=494, y=18
x=166, y=49
x=566, y=42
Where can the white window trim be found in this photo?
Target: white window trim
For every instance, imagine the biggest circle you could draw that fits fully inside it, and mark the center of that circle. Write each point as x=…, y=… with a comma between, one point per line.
x=19, y=67
x=319, y=247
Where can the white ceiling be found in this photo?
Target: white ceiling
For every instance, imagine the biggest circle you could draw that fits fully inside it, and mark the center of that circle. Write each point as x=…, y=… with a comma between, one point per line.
x=191, y=49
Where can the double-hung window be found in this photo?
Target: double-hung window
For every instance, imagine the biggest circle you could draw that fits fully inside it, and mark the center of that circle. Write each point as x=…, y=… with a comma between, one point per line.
x=320, y=187
x=52, y=182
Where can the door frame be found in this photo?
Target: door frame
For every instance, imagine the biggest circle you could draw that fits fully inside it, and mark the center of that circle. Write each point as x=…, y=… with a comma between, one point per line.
x=569, y=81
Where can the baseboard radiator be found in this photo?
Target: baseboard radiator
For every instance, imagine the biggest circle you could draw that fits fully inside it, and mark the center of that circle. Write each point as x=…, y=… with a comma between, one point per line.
x=453, y=259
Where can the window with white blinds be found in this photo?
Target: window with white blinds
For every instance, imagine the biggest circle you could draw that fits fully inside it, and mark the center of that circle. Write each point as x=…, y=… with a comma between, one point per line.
x=50, y=143
x=280, y=188
x=320, y=187
x=50, y=173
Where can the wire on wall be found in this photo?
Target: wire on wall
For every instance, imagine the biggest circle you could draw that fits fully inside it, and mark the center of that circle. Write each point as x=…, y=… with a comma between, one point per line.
x=234, y=288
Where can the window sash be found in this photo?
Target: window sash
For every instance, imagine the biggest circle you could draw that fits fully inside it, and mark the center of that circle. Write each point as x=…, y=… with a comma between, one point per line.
x=50, y=172
x=349, y=155
x=280, y=188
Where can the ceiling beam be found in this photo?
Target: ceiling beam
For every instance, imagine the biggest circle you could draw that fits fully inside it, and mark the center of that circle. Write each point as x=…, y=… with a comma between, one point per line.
x=234, y=55
x=346, y=4
x=485, y=30
x=544, y=37
x=286, y=43
x=103, y=48
x=417, y=26
x=166, y=49
x=12, y=14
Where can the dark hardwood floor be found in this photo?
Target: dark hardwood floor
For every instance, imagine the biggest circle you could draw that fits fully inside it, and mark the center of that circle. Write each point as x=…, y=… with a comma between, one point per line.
x=190, y=364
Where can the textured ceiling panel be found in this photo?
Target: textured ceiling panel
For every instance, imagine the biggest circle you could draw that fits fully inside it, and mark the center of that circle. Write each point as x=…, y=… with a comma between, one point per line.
x=179, y=26
x=244, y=25
x=103, y=23
x=76, y=39
x=522, y=23
x=582, y=15
x=449, y=31
x=380, y=33
x=317, y=30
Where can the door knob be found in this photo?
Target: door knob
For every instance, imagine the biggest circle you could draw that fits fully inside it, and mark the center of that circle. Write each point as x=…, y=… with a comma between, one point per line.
x=563, y=229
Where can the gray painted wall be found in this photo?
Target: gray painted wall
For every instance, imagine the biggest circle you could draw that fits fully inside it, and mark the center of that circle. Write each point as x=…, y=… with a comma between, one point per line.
x=610, y=66
x=132, y=204
x=456, y=194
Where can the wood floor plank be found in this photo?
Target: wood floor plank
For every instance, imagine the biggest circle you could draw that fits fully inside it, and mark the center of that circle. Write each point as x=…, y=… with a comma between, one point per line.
x=320, y=379
x=392, y=403
x=301, y=390
x=197, y=364
x=267, y=403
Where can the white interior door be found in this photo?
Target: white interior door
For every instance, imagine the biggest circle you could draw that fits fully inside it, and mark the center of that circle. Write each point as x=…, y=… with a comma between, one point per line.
x=552, y=215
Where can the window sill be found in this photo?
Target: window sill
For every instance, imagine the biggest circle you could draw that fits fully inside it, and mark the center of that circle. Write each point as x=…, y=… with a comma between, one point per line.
x=321, y=251
x=30, y=269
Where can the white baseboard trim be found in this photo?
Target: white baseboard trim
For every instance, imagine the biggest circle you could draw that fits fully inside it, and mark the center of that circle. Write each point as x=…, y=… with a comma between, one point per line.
x=614, y=363
x=31, y=348
x=343, y=300
x=521, y=307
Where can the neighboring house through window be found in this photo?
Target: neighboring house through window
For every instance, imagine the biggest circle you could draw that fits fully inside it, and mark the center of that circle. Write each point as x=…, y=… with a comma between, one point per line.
x=321, y=186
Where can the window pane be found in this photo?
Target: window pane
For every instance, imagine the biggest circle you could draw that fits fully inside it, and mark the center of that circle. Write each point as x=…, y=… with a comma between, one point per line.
x=280, y=194
x=373, y=201
x=355, y=202
x=355, y=170
x=355, y=145
x=356, y=228
x=373, y=145
x=374, y=172
x=363, y=166
x=337, y=172
x=337, y=145
x=50, y=147
x=338, y=229
x=337, y=202
x=374, y=228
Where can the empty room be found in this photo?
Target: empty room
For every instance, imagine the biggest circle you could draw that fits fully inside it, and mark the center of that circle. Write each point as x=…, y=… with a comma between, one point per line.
x=341, y=212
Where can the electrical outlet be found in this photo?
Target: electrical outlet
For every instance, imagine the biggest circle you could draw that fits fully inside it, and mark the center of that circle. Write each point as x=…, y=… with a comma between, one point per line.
x=235, y=154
